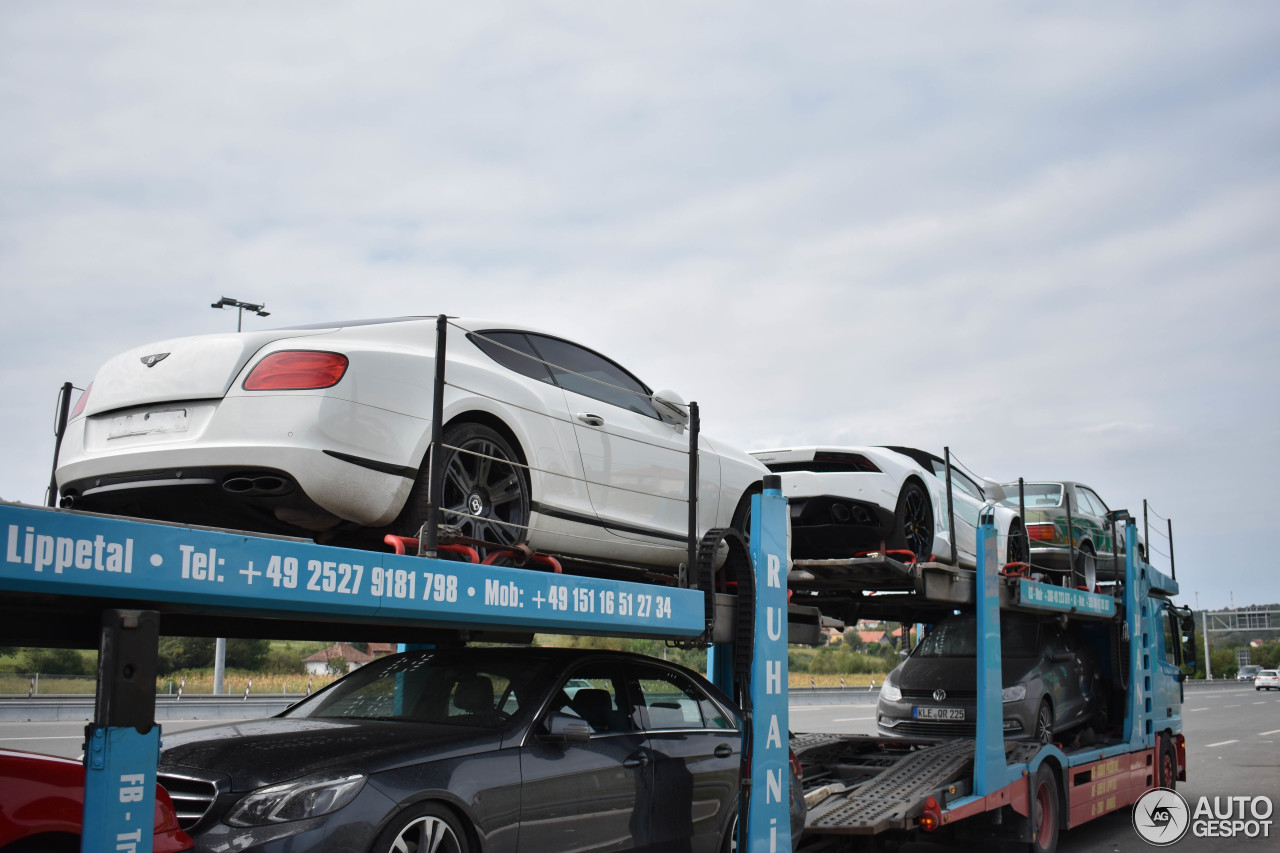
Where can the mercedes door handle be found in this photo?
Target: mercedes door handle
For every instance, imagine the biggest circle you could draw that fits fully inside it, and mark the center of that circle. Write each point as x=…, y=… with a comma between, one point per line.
x=590, y=419
x=639, y=759
x=724, y=751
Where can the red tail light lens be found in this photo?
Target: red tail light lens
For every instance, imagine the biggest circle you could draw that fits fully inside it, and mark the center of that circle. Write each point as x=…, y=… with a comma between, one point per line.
x=930, y=815
x=1042, y=532
x=79, y=407
x=297, y=370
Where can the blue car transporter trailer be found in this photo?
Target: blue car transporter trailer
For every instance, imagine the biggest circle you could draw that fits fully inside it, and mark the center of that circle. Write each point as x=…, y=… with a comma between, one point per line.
x=990, y=788
x=63, y=565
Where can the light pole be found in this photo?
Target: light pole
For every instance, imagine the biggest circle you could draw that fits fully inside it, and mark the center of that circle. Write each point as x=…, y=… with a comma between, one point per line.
x=228, y=302
x=220, y=645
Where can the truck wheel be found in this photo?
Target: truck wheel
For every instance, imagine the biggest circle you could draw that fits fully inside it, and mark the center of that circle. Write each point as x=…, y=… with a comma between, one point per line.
x=1046, y=811
x=428, y=828
x=1168, y=764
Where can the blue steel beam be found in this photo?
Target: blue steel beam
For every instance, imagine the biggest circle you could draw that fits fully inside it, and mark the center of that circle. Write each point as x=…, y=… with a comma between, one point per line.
x=769, y=802
x=990, y=771
x=81, y=554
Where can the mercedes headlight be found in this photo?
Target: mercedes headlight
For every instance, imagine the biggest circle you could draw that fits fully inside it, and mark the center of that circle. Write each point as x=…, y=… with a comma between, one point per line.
x=890, y=692
x=309, y=796
x=1016, y=693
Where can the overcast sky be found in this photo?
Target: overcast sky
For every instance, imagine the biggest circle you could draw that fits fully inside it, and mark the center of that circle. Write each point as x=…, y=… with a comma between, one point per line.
x=1044, y=235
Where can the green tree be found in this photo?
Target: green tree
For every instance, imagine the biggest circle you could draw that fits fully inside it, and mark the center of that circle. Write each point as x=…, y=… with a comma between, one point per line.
x=284, y=660
x=1267, y=655
x=55, y=662
x=184, y=653
x=247, y=654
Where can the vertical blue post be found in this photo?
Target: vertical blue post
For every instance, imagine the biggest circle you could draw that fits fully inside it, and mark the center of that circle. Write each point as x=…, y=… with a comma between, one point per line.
x=769, y=805
x=720, y=667
x=120, y=789
x=990, y=772
x=1133, y=730
x=122, y=745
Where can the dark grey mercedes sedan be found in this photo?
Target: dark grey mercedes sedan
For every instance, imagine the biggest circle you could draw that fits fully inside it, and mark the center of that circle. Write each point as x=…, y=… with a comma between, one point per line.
x=496, y=749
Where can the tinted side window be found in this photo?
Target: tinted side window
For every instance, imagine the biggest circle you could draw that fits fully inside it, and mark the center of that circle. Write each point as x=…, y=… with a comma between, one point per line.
x=959, y=481
x=964, y=484
x=1056, y=642
x=1172, y=638
x=672, y=701
x=512, y=351
x=592, y=375
x=597, y=693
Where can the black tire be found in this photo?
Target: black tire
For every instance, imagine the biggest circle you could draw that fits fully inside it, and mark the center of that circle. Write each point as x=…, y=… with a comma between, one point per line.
x=1120, y=654
x=1046, y=811
x=1043, y=731
x=913, y=521
x=1166, y=763
x=1084, y=566
x=730, y=842
x=1019, y=548
x=742, y=514
x=485, y=488
x=425, y=828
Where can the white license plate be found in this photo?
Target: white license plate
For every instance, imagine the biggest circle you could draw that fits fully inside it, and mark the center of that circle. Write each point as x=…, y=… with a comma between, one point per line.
x=937, y=713
x=144, y=423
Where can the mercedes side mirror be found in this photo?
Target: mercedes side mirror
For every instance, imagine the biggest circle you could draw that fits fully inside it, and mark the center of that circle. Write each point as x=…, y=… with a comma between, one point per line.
x=565, y=728
x=671, y=407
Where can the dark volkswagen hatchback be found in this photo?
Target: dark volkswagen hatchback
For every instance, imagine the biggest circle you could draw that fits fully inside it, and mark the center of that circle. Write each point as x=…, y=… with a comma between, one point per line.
x=1051, y=682
x=494, y=749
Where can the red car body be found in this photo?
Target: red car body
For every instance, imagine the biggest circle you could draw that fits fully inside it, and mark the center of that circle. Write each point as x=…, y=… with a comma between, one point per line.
x=42, y=800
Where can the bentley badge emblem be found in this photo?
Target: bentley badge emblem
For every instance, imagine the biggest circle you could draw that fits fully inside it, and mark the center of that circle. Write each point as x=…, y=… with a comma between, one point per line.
x=153, y=360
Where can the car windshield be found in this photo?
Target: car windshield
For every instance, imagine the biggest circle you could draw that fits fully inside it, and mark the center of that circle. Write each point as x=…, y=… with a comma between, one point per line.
x=1035, y=495
x=956, y=637
x=430, y=687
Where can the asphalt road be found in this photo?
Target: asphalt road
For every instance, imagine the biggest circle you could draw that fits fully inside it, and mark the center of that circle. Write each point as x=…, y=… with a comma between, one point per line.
x=1233, y=750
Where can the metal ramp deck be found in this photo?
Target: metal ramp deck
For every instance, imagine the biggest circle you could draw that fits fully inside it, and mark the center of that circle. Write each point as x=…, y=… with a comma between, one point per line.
x=871, y=786
x=845, y=587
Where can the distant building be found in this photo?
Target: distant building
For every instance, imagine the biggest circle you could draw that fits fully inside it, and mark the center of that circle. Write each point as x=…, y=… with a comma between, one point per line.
x=318, y=664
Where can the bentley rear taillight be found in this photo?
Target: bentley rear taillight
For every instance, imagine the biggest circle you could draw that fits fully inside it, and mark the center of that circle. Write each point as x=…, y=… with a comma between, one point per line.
x=297, y=370
x=79, y=407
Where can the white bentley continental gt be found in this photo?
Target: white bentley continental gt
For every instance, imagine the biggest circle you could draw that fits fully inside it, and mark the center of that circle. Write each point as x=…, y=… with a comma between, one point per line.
x=323, y=431
x=845, y=501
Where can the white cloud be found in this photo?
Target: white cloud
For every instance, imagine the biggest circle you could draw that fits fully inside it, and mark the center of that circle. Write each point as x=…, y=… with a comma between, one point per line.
x=1039, y=236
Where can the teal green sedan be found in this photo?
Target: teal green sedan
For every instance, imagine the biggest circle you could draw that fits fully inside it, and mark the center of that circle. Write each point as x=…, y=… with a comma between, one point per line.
x=1093, y=549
